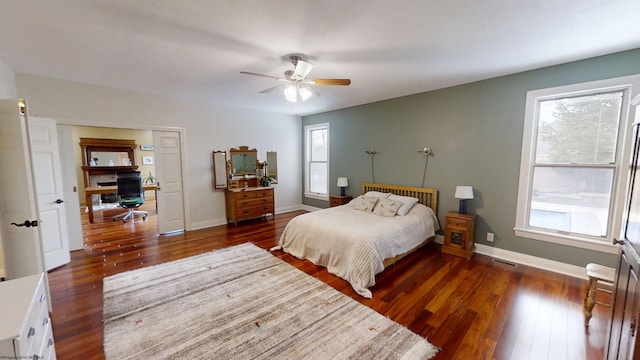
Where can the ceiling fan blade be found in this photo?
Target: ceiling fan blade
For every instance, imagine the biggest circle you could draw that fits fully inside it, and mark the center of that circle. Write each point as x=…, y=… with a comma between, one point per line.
x=273, y=88
x=303, y=69
x=261, y=75
x=330, y=81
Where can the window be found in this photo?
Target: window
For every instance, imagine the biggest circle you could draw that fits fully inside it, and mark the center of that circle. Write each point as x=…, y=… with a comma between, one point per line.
x=317, y=161
x=572, y=178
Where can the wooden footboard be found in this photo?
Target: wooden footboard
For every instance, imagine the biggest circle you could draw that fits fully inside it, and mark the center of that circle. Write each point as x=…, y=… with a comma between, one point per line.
x=426, y=196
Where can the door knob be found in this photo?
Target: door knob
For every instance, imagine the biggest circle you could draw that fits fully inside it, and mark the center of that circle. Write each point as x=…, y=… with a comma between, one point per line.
x=27, y=223
x=58, y=201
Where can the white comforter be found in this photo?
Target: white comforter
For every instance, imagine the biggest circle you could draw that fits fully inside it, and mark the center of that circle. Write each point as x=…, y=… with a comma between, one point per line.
x=353, y=244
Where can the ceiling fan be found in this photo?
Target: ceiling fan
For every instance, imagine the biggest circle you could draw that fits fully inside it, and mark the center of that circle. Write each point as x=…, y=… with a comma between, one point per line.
x=295, y=82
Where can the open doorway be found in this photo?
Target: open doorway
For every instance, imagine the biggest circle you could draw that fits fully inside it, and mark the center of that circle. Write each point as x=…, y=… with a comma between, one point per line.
x=103, y=205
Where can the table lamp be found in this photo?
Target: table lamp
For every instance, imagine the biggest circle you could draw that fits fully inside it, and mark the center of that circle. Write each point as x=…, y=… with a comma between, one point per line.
x=342, y=184
x=463, y=193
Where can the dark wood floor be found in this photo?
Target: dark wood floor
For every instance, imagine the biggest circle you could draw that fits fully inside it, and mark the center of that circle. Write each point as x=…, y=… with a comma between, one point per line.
x=472, y=309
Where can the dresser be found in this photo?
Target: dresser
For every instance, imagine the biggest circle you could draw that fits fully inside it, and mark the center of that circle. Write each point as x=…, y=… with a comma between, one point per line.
x=25, y=329
x=248, y=203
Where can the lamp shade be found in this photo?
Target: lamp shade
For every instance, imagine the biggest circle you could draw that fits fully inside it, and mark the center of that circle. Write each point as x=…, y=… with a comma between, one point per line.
x=343, y=181
x=464, y=192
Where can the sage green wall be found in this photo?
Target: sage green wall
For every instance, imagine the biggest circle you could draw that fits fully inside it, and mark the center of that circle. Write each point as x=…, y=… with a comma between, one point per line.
x=475, y=133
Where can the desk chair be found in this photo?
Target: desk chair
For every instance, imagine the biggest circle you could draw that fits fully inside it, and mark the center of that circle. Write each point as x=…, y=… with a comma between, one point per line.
x=130, y=195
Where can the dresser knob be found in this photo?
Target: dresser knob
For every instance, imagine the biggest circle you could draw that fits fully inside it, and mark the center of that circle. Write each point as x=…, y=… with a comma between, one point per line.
x=50, y=342
x=43, y=297
x=32, y=331
x=45, y=321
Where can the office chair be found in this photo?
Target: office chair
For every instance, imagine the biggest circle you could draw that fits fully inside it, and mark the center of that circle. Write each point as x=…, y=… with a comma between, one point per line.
x=130, y=195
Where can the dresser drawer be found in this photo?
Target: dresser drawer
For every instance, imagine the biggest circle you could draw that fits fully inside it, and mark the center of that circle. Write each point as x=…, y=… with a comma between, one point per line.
x=47, y=348
x=254, y=202
x=244, y=195
x=264, y=193
x=251, y=212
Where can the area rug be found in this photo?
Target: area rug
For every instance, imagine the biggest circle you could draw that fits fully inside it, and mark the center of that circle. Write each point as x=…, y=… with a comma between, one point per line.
x=243, y=303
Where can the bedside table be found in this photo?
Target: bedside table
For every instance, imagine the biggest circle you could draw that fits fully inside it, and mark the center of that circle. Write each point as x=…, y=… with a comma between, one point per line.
x=458, y=234
x=337, y=200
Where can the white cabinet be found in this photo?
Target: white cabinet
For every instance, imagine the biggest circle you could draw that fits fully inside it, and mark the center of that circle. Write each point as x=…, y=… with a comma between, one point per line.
x=25, y=329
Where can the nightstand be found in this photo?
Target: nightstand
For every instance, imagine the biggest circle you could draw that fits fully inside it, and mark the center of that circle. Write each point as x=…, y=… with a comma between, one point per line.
x=458, y=234
x=337, y=200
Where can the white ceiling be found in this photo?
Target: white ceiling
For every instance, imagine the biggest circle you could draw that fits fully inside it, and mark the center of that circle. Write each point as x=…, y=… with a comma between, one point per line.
x=197, y=48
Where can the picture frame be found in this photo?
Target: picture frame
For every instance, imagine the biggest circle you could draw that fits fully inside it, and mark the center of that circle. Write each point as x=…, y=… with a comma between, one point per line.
x=146, y=147
x=147, y=160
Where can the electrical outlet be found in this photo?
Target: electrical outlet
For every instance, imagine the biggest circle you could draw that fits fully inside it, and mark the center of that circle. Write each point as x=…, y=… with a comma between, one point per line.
x=490, y=237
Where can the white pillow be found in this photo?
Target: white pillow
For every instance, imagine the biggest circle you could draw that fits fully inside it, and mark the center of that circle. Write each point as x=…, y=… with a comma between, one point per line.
x=387, y=207
x=407, y=203
x=377, y=194
x=363, y=203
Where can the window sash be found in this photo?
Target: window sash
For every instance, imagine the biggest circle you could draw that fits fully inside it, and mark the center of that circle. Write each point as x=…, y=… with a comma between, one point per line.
x=317, y=161
x=629, y=87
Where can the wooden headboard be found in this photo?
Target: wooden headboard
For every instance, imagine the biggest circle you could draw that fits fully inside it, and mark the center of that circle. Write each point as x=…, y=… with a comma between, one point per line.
x=426, y=196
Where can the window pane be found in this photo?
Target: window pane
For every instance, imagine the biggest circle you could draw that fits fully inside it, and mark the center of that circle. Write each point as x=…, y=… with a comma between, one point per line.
x=318, y=178
x=579, y=130
x=571, y=199
x=319, y=145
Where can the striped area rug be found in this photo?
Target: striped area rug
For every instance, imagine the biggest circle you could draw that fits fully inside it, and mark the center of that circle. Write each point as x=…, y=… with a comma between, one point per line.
x=243, y=303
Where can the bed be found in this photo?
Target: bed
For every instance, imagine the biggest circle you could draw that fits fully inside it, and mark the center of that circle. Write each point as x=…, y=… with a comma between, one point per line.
x=358, y=244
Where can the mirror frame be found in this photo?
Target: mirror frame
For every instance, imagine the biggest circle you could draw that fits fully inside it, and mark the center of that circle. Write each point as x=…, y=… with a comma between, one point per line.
x=240, y=151
x=220, y=181
x=272, y=166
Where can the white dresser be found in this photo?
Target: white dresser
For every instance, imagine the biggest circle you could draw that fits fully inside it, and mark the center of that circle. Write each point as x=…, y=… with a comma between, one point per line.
x=25, y=329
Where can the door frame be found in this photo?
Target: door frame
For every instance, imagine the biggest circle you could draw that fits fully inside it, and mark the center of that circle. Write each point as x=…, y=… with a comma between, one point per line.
x=183, y=158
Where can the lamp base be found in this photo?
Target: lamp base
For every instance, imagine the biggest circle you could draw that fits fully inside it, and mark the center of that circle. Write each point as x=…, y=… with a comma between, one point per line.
x=463, y=207
x=342, y=191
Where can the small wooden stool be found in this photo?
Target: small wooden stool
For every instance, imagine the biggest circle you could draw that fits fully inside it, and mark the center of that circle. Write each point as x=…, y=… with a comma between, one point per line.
x=596, y=273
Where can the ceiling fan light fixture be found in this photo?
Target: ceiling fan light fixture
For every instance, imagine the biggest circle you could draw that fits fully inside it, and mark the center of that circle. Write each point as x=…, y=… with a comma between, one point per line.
x=295, y=92
x=290, y=93
x=305, y=93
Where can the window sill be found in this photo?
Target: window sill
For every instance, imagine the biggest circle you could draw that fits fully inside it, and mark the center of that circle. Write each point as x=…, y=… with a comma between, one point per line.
x=602, y=246
x=316, y=196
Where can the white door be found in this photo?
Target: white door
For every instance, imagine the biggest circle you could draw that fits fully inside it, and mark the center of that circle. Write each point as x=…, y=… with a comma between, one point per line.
x=47, y=172
x=70, y=186
x=169, y=177
x=21, y=245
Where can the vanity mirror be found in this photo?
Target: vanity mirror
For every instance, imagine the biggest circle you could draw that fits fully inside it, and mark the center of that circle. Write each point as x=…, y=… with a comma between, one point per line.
x=272, y=166
x=244, y=161
x=220, y=170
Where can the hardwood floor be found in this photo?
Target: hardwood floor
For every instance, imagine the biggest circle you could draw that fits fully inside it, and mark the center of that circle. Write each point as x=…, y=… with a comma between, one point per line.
x=472, y=309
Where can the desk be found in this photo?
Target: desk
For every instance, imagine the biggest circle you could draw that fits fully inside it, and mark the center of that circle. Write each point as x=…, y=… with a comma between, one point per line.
x=92, y=190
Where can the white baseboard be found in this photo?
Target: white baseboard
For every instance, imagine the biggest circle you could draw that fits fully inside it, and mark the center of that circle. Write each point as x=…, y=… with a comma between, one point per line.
x=533, y=261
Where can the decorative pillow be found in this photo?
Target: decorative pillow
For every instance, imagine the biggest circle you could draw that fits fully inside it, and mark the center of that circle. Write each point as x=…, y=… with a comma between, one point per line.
x=387, y=207
x=377, y=194
x=363, y=203
x=407, y=203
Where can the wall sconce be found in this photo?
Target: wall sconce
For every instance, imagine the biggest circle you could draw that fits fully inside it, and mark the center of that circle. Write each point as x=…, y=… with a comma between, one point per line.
x=463, y=193
x=372, y=152
x=343, y=182
x=426, y=151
